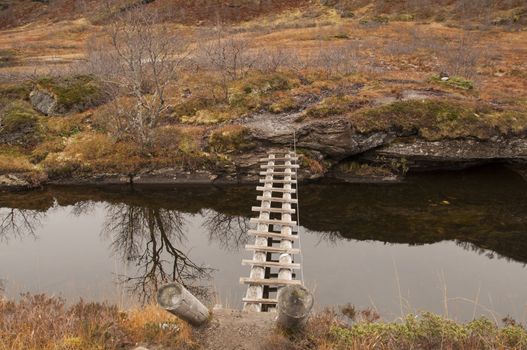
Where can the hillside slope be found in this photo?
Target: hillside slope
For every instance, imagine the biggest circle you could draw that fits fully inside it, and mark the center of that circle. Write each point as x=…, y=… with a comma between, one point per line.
x=489, y=12
x=371, y=94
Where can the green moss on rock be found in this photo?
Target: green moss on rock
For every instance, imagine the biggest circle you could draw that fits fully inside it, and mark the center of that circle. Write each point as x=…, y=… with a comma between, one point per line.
x=73, y=93
x=455, y=82
x=438, y=119
x=19, y=125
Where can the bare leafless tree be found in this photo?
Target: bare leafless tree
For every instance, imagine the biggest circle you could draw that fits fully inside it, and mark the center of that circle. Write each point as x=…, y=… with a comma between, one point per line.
x=83, y=208
x=274, y=59
x=149, y=239
x=141, y=61
x=333, y=60
x=227, y=58
x=461, y=56
x=18, y=223
x=228, y=230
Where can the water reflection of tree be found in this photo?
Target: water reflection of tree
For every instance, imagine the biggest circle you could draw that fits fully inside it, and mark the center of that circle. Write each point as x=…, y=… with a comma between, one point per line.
x=228, y=230
x=83, y=208
x=19, y=223
x=149, y=238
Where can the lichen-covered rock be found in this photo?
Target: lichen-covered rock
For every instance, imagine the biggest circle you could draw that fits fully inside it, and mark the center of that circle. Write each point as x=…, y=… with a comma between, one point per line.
x=10, y=180
x=458, y=153
x=21, y=181
x=43, y=101
x=56, y=96
x=334, y=137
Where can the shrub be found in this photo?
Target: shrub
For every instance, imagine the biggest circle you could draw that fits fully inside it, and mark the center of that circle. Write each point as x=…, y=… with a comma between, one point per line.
x=455, y=82
x=19, y=125
x=426, y=331
x=15, y=91
x=230, y=138
x=42, y=150
x=46, y=323
x=265, y=83
x=334, y=105
x=14, y=163
x=65, y=127
x=94, y=153
x=208, y=117
x=284, y=104
x=190, y=107
x=17, y=117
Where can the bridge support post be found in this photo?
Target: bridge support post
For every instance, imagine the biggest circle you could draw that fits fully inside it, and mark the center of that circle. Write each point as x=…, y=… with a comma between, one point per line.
x=294, y=305
x=180, y=302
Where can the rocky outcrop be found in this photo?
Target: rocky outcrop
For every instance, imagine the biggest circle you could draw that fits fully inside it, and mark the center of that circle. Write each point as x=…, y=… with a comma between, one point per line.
x=57, y=96
x=337, y=141
x=333, y=137
x=429, y=155
x=43, y=101
x=22, y=181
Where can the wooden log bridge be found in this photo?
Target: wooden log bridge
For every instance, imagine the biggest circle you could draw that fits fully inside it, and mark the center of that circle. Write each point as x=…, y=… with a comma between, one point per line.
x=272, y=264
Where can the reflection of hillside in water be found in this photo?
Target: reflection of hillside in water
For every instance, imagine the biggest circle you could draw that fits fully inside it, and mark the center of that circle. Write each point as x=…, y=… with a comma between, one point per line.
x=484, y=211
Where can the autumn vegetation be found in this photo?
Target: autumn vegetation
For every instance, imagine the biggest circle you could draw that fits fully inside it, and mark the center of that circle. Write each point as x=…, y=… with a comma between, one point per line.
x=46, y=323
x=146, y=85
x=350, y=328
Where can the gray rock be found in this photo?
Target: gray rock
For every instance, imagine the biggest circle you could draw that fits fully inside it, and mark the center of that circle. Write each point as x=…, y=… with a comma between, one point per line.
x=334, y=137
x=43, y=101
x=13, y=181
x=455, y=153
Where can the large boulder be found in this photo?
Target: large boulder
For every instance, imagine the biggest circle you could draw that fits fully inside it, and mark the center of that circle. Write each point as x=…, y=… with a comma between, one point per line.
x=57, y=96
x=43, y=101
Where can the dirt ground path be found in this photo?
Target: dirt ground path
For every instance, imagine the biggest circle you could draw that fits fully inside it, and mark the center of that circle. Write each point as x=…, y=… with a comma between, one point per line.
x=236, y=330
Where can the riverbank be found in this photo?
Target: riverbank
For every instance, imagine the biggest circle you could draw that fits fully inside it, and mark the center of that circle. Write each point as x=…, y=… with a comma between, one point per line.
x=45, y=323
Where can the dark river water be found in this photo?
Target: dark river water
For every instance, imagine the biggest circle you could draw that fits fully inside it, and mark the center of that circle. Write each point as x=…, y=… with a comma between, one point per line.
x=452, y=243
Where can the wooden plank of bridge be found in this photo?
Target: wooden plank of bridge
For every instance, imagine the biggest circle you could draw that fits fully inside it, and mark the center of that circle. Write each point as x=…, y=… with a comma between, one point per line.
x=274, y=210
x=279, y=177
x=273, y=235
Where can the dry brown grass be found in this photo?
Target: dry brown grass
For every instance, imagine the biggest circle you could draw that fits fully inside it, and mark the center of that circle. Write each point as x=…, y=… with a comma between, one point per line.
x=306, y=58
x=14, y=163
x=46, y=323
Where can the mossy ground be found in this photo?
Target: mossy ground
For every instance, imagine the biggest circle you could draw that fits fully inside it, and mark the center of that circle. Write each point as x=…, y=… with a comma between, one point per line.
x=436, y=119
x=20, y=125
x=455, y=82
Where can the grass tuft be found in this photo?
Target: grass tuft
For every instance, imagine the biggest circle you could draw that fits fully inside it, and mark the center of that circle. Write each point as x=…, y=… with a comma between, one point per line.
x=455, y=82
x=230, y=138
x=47, y=323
